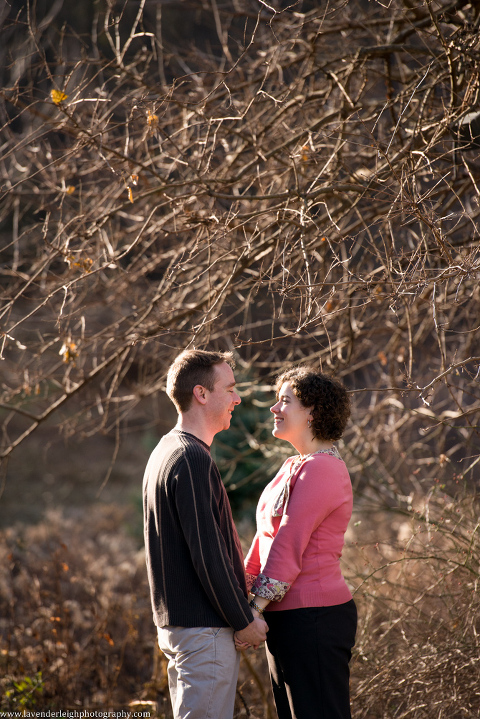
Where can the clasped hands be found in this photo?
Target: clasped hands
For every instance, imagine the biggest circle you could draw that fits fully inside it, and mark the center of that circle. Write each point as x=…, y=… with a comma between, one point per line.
x=253, y=634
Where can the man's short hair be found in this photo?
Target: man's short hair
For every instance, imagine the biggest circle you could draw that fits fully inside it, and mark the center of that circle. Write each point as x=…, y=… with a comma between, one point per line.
x=190, y=368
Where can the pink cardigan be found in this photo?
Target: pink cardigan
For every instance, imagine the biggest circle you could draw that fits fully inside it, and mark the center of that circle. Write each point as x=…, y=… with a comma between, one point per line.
x=295, y=558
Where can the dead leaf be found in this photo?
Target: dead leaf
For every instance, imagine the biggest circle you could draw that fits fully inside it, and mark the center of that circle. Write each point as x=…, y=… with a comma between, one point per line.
x=58, y=96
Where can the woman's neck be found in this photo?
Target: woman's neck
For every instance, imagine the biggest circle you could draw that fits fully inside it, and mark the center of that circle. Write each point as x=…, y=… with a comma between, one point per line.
x=311, y=445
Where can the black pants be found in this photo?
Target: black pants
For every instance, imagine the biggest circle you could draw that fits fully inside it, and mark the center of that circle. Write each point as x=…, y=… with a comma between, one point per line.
x=308, y=652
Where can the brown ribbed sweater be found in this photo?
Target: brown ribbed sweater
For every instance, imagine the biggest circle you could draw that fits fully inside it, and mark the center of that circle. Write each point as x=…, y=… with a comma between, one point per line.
x=193, y=553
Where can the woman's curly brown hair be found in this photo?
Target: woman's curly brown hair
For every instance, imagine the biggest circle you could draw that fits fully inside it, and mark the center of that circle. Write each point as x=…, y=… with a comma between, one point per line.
x=327, y=397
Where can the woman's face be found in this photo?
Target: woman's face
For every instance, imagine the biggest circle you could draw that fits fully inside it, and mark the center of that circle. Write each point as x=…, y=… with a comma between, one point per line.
x=290, y=417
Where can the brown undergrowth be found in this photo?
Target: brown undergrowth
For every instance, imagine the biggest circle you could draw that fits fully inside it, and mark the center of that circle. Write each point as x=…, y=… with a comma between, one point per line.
x=417, y=652
x=75, y=608
x=76, y=626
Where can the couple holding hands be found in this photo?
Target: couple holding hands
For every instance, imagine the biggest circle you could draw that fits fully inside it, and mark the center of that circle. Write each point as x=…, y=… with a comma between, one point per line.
x=207, y=603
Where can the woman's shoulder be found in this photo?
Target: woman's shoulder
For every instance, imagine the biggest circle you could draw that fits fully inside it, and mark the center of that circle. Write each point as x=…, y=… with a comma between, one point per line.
x=328, y=464
x=325, y=455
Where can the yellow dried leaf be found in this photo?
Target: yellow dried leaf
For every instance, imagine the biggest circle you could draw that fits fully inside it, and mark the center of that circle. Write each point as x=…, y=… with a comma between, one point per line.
x=383, y=358
x=58, y=96
x=134, y=179
x=152, y=120
x=69, y=352
x=130, y=194
x=70, y=189
x=109, y=639
x=84, y=263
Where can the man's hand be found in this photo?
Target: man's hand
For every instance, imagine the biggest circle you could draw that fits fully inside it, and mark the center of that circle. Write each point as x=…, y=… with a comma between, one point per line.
x=254, y=634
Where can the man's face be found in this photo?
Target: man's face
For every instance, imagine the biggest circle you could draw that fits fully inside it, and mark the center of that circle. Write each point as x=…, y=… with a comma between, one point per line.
x=222, y=400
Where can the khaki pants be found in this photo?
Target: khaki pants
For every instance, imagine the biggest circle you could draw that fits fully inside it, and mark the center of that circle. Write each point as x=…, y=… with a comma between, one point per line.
x=202, y=670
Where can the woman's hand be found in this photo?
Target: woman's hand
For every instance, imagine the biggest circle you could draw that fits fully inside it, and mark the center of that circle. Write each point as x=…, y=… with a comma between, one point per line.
x=239, y=645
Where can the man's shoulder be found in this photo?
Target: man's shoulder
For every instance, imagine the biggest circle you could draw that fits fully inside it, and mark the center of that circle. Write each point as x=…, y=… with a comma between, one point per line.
x=181, y=447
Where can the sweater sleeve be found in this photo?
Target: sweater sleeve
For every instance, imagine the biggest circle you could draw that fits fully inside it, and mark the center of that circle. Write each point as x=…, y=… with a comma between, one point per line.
x=252, y=560
x=199, y=516
x=252, y=563
x=310, y=503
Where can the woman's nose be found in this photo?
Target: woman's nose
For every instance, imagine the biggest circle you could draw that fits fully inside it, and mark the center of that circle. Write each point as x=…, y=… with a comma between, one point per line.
x=274, y=408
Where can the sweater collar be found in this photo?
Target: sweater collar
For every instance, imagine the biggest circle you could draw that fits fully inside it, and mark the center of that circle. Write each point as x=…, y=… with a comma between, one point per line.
x=189, y=434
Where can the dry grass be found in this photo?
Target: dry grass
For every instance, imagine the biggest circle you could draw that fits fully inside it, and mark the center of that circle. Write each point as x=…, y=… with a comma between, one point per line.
x=76, y=627
x=75, y=607
x=417, y=652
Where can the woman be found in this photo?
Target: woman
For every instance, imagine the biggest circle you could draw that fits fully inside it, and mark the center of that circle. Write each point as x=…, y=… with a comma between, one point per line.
x=293, y=565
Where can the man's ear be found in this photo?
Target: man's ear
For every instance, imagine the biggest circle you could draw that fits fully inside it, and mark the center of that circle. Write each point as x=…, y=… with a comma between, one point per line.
x=200, y=393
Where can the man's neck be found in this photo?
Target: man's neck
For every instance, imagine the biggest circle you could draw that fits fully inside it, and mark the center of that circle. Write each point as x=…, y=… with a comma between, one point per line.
x=194, y=425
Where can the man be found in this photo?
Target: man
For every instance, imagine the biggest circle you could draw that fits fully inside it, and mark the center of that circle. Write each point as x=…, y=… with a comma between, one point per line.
x=194, y=558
